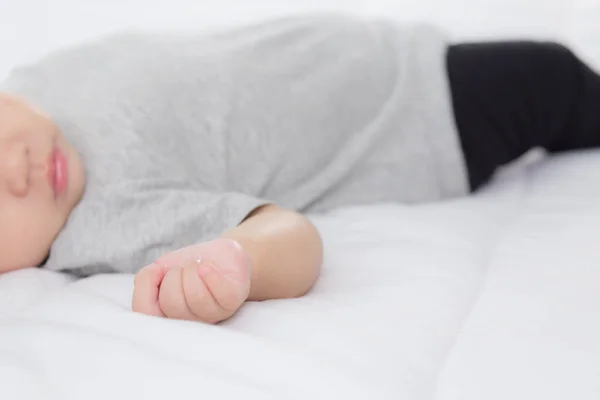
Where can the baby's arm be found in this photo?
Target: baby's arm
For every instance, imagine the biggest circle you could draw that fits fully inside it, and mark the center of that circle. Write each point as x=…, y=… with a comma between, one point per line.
x=285, y=250
x=272, y=254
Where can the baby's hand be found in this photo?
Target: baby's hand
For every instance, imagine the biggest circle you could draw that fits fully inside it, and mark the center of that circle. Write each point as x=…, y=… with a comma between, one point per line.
x=207, y=282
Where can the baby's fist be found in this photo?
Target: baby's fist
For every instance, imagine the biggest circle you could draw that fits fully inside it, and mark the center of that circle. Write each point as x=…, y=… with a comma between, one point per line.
x=205, y=282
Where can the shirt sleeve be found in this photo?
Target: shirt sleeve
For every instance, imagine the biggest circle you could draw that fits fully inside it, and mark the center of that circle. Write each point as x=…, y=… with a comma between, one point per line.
x=125, y=232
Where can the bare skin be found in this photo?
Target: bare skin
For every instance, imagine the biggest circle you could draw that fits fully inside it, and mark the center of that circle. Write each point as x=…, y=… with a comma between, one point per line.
x=32, y=210
x=273, y=254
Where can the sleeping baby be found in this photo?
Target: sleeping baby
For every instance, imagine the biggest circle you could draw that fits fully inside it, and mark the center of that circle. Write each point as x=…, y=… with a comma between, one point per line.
x=191, y=159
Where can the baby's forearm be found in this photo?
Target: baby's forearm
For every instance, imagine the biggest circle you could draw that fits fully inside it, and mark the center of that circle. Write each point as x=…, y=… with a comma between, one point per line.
x=285, y=250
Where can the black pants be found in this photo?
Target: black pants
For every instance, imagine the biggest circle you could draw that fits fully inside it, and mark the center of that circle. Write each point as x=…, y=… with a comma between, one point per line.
x=510, y=97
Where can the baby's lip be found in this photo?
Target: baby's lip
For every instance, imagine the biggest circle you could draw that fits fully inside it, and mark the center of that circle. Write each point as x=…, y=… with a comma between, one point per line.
x=57, y=171
x=51, y=171
x=62, y=171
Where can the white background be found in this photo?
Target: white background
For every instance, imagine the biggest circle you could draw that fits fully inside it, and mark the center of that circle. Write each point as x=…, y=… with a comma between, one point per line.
x=29, y=28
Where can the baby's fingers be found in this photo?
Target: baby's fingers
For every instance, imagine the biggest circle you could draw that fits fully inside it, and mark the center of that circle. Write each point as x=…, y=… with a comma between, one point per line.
x=229, y=289
x=200, y=298
x=146, y=286
x=172, y=299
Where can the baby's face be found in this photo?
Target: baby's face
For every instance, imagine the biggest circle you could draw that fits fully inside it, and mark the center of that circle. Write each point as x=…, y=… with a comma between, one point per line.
x=41, y=180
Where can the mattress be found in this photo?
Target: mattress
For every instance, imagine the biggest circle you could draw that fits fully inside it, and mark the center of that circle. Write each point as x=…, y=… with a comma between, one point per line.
x=495, y=296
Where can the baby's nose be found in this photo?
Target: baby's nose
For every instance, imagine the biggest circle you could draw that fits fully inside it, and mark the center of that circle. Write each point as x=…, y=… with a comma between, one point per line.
x=14, y=169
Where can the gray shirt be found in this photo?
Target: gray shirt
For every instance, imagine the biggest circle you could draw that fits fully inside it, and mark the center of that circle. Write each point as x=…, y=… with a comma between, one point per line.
x=183, y=134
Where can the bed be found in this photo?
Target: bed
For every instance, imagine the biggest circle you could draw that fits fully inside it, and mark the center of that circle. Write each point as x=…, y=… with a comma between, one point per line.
x=496, y=296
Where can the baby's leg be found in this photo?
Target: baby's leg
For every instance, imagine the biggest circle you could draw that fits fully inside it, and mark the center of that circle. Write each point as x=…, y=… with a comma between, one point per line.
x=510, y=97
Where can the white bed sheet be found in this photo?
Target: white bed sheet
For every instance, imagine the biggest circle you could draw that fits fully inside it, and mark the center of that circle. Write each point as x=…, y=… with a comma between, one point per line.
x=492, y=297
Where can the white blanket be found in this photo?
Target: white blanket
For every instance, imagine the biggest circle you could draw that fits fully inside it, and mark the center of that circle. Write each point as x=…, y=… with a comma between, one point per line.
x=491, y=297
